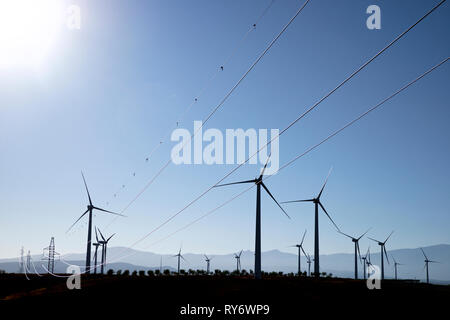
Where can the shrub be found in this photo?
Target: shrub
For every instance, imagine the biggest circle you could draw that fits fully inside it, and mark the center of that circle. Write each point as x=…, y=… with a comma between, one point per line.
x=110, y=272
x=126, y=273
x=119, y=272
x=150, y=273
x=141, y=273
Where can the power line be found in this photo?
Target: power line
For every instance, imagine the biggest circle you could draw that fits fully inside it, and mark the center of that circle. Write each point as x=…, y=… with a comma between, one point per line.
x=197, y=97
x=305, y=152
x=285, y=129
x=221, y=102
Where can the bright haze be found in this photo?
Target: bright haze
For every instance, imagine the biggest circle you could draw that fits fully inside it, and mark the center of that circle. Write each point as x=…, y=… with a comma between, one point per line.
x=101, y=98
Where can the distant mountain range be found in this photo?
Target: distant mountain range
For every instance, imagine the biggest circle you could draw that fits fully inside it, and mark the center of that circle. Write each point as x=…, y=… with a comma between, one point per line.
x=340, y=264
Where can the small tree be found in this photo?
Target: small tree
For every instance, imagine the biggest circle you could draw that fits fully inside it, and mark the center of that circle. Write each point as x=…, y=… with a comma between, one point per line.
x=110, y=272
x=134, y=274
x=157, y=272
x=150, y=273
x=167, y=272
x=141, y=273
x=119, y=272
x=126, y=273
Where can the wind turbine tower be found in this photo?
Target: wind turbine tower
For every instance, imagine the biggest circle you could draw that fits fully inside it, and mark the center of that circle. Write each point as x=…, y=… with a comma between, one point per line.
x=90, y=209
x=259, y=183
x=357, y=251
x=238, y=261
x=317, y=203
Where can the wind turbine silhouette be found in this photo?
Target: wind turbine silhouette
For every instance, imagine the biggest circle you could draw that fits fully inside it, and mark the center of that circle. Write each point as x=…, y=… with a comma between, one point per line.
x=395, y=266
x=208, y=261
x=89, y=210
x=383, y=252
x=179, y=256
x=427, y=261
x=104, y=243
x=308, y=260
x=357, y=252
x=317, y=203
x=366, y=262
x=96, y=245
x=238, y=261
x=300, y=249
x=259, y=182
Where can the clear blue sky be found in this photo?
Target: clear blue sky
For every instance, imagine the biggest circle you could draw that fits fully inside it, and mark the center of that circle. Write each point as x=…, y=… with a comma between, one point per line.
x=105, y=95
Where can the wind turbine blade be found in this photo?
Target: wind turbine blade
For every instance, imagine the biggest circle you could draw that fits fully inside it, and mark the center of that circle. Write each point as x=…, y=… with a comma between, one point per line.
x=240, y=253
x=373, y=239
x=307, y=200
x=101, y=235
x=424, y=254
x=388, y=237
x=385, y=253
x=328, y=216
x=96, y=234
x=359, y=252
x=85, y=184
x=265, y=166
x=117, y=214
x=433, y=261
x=267, y=190
x=364, y=234
x=183, y=258
x=304, y=252
x=326, y=180
x=303, y=238
x=77, y=220
x=345, y=234
x=239, y=182
x=110, y=237
x=206, y=257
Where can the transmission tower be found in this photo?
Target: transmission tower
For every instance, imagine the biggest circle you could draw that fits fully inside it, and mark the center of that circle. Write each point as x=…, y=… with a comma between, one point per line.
x=49, y=255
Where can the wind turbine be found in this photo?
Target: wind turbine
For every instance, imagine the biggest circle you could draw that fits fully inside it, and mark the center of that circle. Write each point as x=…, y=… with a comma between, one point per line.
x=179, y=256
x=357, y=252
x=308, y=260
x=300, y=249
x=90, y=208
x=208, y=260
x=317, y=203
x=104, y=243
x=259, y=182
x=383, y=252
x=366, y=262
x=96, y=245
x=426, y=264
x=395, y=266
x=238, y=261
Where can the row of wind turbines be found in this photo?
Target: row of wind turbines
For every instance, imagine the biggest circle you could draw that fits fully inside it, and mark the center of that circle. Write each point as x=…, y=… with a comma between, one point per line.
x=257, y=263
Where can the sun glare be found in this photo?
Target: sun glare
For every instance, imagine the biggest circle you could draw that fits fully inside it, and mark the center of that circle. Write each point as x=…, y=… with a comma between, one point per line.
x=28, y=31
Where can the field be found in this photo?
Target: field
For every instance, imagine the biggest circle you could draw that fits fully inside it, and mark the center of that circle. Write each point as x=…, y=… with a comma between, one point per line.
x=169, y=295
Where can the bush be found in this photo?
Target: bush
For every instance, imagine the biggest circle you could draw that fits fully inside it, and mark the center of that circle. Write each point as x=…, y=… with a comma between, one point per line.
x=110, y=272
x=126, y=273
x=119, y=272
x=134, y=274
x=141, y=273
x=167, y=272
x=150, y=273
x=157, y=272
